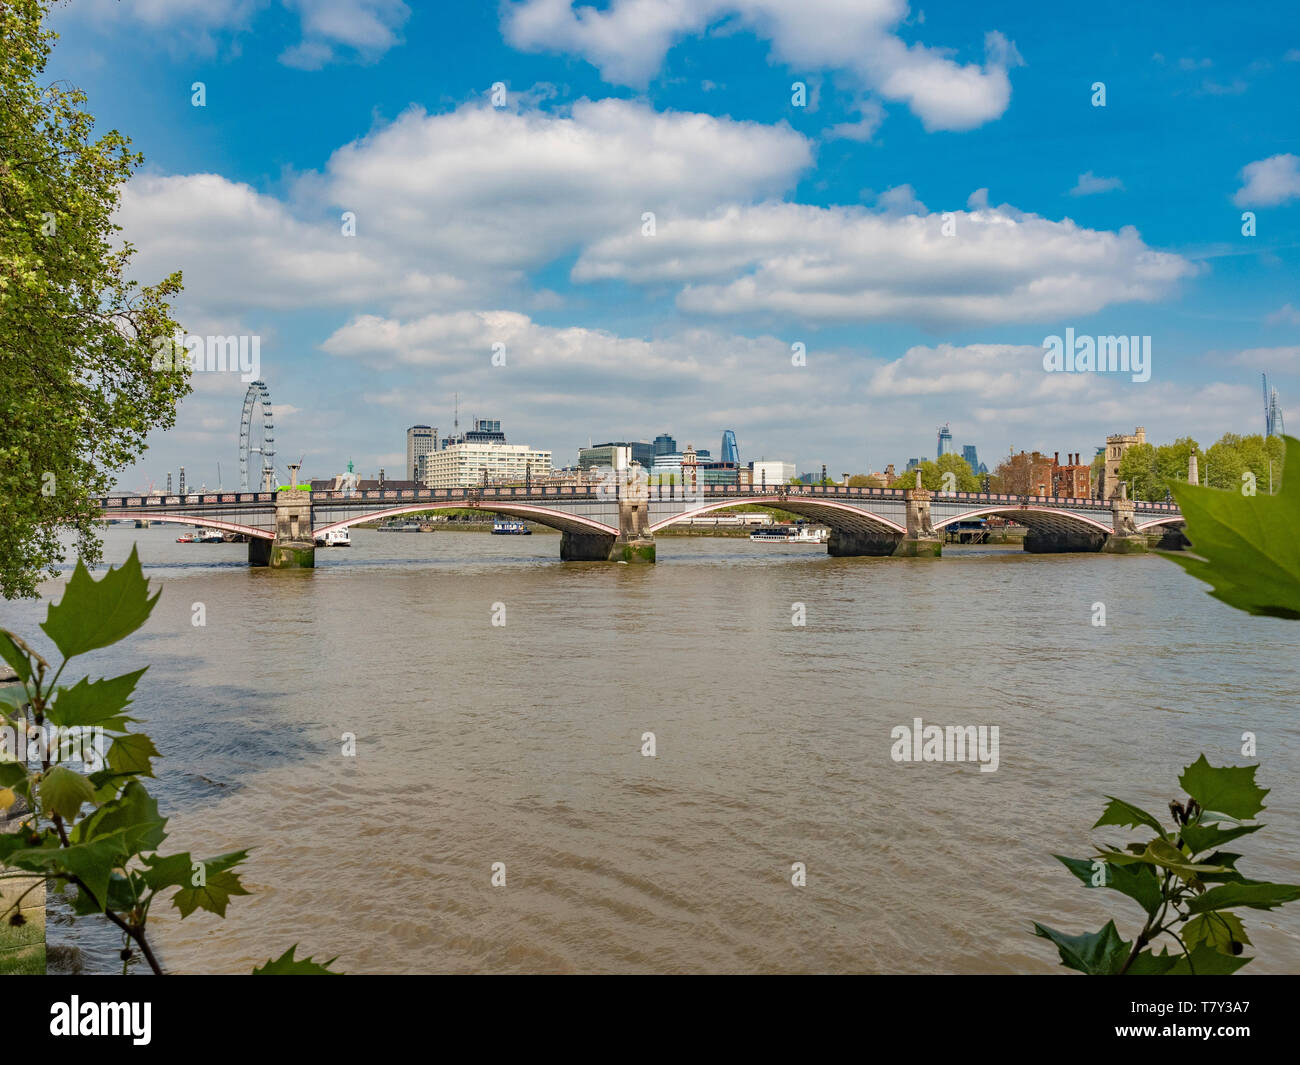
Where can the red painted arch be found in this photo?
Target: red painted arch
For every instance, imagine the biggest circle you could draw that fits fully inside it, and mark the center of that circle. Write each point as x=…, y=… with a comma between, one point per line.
x=542, y=515
x=1012, y=511
x=783, y=503
x=208, y=523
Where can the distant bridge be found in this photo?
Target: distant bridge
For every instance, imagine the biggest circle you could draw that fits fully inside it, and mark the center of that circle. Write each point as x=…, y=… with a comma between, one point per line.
x=618, y=523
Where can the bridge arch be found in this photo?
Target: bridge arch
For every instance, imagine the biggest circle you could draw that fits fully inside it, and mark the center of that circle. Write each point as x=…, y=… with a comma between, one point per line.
x=834, y=514
x=1175, y=520
x=209, y=523
x=1044, y=518
x=555, y=519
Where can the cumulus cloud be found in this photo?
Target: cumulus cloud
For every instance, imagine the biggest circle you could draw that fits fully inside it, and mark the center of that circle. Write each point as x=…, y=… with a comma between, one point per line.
x=331, y=29
x=851, y=264
x=1269, y=182
x=629, y=39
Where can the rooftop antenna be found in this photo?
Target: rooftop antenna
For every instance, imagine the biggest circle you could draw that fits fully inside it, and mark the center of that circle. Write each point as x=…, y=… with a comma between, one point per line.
x=218, y=477
x=455, y=418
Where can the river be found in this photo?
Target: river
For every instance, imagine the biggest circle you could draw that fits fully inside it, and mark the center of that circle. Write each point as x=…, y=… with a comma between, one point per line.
x=521, y=744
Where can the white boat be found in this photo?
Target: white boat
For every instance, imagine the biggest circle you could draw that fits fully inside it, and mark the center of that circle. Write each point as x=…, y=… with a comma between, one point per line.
x=791, y=534
x=509, y=527
x=335, y=538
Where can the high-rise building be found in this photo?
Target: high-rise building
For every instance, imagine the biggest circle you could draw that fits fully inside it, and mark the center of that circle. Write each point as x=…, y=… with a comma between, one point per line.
x=972, y=458
x=603, y=455
x=730, y=452
x=665, y=445
x=945, y=441
x=485, y=431
x=420, y=440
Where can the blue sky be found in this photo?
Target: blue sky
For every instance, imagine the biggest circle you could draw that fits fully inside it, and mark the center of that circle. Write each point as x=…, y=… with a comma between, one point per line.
x=775, y=224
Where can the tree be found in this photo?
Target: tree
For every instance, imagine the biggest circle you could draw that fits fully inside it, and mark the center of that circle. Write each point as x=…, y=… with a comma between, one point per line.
x=862, y=480
x=1013, y=475
x=76, y=335
x=932, y=475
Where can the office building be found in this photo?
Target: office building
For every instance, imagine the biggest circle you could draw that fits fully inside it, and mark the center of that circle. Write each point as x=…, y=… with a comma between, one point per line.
x=420, y=440
x=464, y=464
x=665, y=445
x=730, y=452
x=771, y=472
x=604, y=455
x=945, y=442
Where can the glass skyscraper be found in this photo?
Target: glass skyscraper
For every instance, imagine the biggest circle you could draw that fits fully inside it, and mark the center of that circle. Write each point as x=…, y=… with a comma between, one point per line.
x=730, y=452
x=945, y=441
x=665, y=445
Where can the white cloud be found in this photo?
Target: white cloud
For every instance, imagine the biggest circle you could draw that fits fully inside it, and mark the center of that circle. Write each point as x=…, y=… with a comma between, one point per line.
x=1284, y=314
x=1090, y=184
x=850, y=264
x=629, y=39
x=1269, y=182
x=363, y=29
x=1286, y=357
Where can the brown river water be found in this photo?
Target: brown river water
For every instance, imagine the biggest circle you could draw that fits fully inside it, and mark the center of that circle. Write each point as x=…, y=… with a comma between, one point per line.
x=521, y=744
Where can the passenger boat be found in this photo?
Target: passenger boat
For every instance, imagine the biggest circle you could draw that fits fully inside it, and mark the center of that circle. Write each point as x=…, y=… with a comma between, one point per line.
x=335, y=538
x=509, y=527
x=790, y=534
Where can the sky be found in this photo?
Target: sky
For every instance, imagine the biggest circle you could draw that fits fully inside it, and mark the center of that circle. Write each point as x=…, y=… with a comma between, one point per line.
x=832, y=226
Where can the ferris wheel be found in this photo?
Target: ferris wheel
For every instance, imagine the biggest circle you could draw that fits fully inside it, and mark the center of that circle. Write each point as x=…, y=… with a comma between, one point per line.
x=257, y=394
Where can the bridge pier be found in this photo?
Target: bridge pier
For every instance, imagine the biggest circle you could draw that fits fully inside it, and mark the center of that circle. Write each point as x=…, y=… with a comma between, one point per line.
x=921, y=540
x=294, y=546
x=1125, y=540
x=1056, y=542
x=849, y=543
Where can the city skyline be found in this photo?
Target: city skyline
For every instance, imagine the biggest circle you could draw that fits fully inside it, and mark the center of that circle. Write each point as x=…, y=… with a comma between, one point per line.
x=545, y=311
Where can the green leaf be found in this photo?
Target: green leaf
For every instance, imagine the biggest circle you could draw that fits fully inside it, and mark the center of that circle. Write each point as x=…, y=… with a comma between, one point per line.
x=177, y=870
x=132, y=754
x=1119, y=812
x=134, y=814
x=12, y=654
x=63, y=791
x=1148, y=964
x=287, y=965
x=93, y=704
x=1227, y=789
x=1095, y=953
x=1255, y=894
x=1218, y=930
x=1139, y=884
x=94, y=613
x=1206, y=961
x=1204, y=837
x=93, y=863
x=213, y=896
x=1248, y=549
x=1166, y=855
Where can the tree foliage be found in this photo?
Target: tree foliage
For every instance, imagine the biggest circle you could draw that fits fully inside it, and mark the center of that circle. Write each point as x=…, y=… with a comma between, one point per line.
x=1187, y=887
x=95, y=830
x=932, y=475
x=1153, y=471
x=76, y=333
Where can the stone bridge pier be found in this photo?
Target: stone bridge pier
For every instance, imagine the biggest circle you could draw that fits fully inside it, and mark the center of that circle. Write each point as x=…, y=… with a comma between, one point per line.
x=634, y=542
x=294, y=546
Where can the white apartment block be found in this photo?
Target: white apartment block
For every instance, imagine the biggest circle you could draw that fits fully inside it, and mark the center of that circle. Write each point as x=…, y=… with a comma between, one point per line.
x=463, y=465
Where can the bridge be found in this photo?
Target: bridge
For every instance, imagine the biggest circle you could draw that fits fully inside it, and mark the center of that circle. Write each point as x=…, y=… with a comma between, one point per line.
x=617, y=521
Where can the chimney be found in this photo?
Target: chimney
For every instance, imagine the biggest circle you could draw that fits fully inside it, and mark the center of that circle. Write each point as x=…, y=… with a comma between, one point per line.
x=1056, y=458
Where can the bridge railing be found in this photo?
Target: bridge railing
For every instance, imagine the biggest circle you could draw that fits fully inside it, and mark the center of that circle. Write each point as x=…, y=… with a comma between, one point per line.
x=587, y=492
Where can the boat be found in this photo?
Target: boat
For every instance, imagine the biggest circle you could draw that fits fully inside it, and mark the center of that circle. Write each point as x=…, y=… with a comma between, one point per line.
x=201, y=536
x=509, y=527
x=334, y=538
x=791, y=534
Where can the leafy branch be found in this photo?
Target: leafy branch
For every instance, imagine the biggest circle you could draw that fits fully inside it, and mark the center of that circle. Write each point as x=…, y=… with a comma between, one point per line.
x=1186, y=885
x=98, y=832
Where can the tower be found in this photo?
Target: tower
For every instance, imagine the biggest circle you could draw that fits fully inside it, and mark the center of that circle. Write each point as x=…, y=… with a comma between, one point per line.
x=730, y=452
